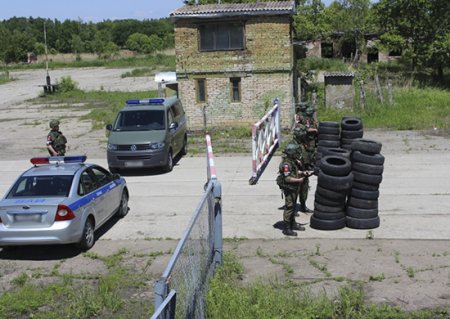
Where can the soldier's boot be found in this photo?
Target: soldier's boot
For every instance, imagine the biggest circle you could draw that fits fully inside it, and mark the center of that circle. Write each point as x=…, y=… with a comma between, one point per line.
x=303, y=207
x=297, y=226
x=288, y=230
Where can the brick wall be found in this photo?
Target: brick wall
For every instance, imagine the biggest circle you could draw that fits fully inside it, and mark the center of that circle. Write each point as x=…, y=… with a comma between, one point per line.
x=265, y=67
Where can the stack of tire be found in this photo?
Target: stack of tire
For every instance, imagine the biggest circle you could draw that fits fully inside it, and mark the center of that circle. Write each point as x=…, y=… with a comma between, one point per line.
x=351, y=129
x=328, y=136
x=367, y=169
x=333, y=184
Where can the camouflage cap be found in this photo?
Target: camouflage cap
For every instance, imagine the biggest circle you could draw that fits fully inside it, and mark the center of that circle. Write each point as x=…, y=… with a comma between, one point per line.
x=310, y=111
x=300, y=133
x=291, y=149
x=54, y=123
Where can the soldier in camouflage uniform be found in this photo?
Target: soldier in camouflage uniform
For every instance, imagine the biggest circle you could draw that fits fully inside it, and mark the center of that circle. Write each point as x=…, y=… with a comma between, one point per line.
x=289, y=179
x=56, y=141
x=306, y=156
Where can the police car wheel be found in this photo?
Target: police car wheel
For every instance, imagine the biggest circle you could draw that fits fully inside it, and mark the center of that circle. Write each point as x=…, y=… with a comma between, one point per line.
x=123, y=208
x=88, y=236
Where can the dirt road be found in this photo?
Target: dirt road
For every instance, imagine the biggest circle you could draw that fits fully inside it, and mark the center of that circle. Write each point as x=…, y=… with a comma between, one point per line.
x=407, y=263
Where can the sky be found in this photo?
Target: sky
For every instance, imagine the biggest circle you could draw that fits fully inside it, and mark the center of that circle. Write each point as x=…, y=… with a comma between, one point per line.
x=90, y=10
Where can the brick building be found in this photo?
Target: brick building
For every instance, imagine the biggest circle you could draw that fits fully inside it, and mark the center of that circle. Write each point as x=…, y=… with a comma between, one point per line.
x=233, y=60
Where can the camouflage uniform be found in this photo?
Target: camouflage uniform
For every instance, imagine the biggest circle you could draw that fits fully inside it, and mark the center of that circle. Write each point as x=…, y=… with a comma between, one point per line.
x=56, y=139
x=306, y=154
x=289, y=169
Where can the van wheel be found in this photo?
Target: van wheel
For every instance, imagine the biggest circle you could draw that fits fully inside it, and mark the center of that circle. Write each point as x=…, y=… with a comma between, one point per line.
x=184, y=150
x=169, y=163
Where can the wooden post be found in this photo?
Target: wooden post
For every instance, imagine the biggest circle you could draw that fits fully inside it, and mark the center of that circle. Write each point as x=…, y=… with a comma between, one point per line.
x=314, y=104
x=390, y=98
x=362, y=96
x=379, y=92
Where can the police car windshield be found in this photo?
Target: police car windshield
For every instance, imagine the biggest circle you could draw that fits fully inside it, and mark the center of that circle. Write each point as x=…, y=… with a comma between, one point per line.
x=41, y=186
x=140, y=120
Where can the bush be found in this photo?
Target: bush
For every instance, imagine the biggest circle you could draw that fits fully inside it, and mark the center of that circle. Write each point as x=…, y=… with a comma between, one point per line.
x=66, y=84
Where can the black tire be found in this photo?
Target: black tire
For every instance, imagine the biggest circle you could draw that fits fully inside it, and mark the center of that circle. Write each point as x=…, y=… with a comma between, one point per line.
x=364, y=186
x=336, y=183
x=368, y=168
x=347, y=141
x=322, y=149
x=331, y=194
x=123, y=206
x=347, y=146
x=329, y=209
x=88, y=236
x=359, y=223
x=328, y=130
x=184, y=150
x=328, y=216
x=361, y=213
x=329, y=144
x=328, y=124
x=169, y=164
x=335, y=165
x=372, y=159
x=351, y=124
x=352, y=134
x=336, y=151
x=367, y=178
x=364, y=194
x=322, y=200
x=366, y=146
x=325, y=224
x=328, y=137
x=362, y=203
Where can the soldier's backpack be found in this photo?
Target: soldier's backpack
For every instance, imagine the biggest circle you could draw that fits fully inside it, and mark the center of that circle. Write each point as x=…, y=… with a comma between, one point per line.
x=280, y=181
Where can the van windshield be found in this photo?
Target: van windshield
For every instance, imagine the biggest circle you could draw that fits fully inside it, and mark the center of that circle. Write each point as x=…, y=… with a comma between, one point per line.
x=147, y=120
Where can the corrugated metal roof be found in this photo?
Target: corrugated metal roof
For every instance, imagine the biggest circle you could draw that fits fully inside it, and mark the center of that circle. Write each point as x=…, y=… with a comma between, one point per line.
x=343, y=74
x=232, y=9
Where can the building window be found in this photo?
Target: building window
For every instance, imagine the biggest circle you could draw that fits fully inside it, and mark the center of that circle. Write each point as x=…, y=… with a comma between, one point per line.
x=235, y=89
x=221, y=37
x=200, y=89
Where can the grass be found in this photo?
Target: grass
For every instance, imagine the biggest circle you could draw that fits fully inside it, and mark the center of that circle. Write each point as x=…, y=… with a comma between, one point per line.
x=138, y=73
x=412, y=109
x=160, y=61
x=229, y=298
x=80, y=296
x=5, y=78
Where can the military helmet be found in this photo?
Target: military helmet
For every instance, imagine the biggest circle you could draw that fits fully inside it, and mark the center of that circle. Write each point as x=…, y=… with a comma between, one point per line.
x=291, y=149
x=54, y=123
x=310, y=111
x=300, y=134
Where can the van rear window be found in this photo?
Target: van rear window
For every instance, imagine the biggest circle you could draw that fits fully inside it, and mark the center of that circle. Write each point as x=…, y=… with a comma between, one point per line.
x=147, y=120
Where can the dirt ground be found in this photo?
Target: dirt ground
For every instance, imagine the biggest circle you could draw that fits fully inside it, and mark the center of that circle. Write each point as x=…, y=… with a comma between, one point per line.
x=411, y=274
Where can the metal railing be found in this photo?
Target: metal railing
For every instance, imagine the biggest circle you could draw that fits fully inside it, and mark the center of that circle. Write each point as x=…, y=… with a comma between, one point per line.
x=181, y=290
x=266, y=136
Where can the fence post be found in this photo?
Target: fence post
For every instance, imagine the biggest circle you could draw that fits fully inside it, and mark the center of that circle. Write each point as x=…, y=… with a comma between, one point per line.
x=380, y=93
x=218, y=244
x=389, y=85
x=362, y=96
x=160, y=292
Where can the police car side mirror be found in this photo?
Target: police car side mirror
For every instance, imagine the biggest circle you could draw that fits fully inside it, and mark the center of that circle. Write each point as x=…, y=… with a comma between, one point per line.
x=116, y=176
x=109, y=127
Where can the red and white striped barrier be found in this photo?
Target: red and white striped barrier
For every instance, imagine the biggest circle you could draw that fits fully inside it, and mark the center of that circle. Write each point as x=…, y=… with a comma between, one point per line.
x=265, y=139
x=211, y=167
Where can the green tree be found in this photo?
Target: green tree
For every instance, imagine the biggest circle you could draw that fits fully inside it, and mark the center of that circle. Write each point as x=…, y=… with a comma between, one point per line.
x=139, y=42
x=424, y=26
x=310, y=21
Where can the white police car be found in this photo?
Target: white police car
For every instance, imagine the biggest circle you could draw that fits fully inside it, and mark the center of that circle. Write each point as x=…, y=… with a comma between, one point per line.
x=61, y=200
